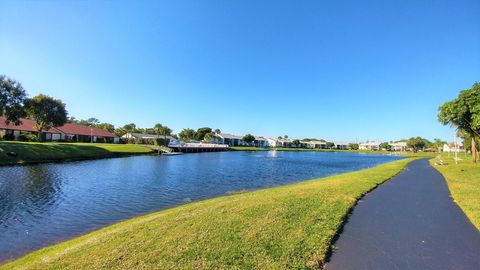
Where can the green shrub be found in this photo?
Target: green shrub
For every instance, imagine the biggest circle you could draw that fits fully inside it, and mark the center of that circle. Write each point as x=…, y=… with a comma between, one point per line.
x=28, y=137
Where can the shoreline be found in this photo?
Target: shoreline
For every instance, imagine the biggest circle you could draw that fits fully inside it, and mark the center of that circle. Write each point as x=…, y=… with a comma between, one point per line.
x=200, y=205
x=39, y=153
x=89, y=151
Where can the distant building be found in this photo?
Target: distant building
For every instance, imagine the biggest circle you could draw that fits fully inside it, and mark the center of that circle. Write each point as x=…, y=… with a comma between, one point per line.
x=279, y=142
x=230, y=139
x=372, y=146
x=314, y=144
x=399, y=146
x=145, y=136
x=452, y=147
x=260, y=142
x=341, y=145
x=68, y=132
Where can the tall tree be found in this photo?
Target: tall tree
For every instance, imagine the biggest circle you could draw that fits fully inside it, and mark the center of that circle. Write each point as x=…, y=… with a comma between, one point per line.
x=248, y=138
x=463, y=113
x=162, y=130
x=12, y=98
x=201, y=132
x=386, y=146
x=106, y=126
x=354, y=146
x=416, y=143
x=47, y=112
x=187, y=134
x=207, y=137
x=129, y=128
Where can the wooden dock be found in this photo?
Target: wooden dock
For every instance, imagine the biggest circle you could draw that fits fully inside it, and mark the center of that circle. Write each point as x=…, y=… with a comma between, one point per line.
x=197, y=147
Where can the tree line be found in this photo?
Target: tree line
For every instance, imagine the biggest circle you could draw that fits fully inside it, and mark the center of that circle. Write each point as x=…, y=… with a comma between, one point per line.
x=463, y=113
x=49, y=112
x=15, y=104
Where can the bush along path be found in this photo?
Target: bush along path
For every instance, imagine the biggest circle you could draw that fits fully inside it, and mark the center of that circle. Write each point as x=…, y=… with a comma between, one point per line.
x=410, y=222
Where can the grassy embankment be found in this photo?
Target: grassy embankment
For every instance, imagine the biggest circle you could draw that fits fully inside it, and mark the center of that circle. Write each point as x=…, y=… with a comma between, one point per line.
x=284, y=227
x=463, y=180
x=28, y=152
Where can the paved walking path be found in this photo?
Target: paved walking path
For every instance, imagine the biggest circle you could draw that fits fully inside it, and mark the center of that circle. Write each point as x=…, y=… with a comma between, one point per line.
x=409, y=222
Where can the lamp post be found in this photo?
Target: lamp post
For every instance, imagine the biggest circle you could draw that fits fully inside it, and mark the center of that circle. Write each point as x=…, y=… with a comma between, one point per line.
x=91, y=135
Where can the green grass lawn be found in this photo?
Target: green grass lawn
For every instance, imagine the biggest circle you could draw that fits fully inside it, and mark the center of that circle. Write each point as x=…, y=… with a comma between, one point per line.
x=286, y=227
x=29, y=152
x=463, y=180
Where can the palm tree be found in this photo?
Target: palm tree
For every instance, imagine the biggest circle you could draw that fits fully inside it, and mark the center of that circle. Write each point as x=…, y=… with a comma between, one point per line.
x=162, y=130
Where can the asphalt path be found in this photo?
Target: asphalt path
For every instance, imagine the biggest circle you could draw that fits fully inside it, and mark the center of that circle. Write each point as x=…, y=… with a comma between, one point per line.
x=409, y=222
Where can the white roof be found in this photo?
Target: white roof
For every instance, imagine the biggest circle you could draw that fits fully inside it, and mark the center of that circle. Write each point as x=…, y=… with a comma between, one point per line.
x=370, y=144
x=314, y=142
x=229, y=136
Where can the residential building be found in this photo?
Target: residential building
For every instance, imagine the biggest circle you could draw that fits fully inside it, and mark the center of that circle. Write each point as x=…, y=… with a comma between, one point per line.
x=372, y=146
x=260, y=142
x=68, y=132
x=453, y=147
x=399, y=146
x=341, y=145
x=230, y=139
x=280, y=142
x=314, y=144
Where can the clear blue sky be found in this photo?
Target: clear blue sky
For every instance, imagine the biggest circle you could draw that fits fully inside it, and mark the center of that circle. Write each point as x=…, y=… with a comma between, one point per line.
x=346, y=70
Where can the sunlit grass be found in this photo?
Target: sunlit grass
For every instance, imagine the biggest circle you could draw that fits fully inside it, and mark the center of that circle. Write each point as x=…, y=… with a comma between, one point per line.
x=463, y=180
x=28, y=152
x=286, y=227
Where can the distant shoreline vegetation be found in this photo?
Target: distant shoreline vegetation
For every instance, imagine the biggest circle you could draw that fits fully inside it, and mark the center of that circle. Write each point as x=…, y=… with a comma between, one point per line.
x=47, y=116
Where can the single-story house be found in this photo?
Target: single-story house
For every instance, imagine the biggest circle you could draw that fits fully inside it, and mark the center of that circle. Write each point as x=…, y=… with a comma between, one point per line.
x=279, y=142
x=68, y=132
x=399, y=146
x=372, y=146
x=314, y=144
x=453, y=147
x=341, y=145
x=260, y=141
x=230, y=139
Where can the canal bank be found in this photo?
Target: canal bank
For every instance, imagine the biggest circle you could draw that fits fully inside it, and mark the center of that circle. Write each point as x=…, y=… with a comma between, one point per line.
x=14, y=153
x=283, y=227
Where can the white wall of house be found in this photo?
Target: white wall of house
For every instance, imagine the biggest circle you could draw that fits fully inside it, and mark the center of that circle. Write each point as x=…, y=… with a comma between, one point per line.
x=452, y=148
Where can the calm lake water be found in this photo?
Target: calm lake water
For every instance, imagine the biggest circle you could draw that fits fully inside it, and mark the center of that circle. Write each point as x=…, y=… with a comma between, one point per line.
x=46, y=203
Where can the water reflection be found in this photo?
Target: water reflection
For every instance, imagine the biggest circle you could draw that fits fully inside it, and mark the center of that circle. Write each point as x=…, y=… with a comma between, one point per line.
x=43, y=204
